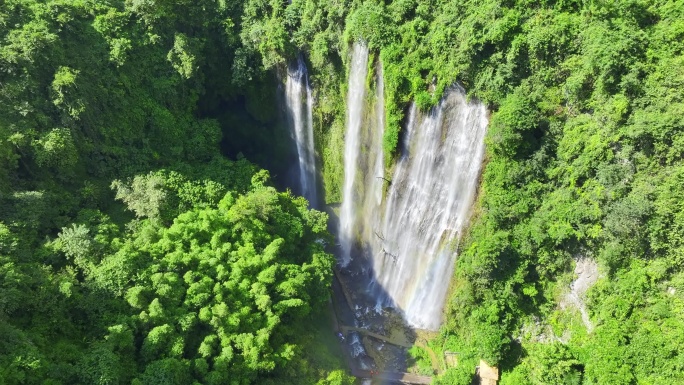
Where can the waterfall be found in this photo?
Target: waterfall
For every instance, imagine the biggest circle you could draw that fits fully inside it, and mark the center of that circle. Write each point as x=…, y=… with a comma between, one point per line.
x=355, y=102
x=374, y=180
x=299, y=103
x=427, y=205
x=407, y=226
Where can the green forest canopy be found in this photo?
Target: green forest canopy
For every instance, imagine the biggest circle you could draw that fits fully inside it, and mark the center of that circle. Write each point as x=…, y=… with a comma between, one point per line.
x=131, y=249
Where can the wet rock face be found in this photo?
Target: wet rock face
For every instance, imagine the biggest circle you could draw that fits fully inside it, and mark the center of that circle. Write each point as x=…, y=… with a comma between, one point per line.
x=587, y=273
x=376, y=338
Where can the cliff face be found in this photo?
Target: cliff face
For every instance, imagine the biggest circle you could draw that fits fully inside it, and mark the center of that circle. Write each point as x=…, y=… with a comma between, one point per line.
x=582, y=159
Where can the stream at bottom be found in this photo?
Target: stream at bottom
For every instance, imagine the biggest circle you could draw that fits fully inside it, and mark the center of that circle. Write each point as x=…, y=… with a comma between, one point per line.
x=375, y=337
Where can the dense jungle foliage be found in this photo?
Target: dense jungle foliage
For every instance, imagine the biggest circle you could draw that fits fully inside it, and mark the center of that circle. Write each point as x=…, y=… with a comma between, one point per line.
x=584, y=160
x=131, y=250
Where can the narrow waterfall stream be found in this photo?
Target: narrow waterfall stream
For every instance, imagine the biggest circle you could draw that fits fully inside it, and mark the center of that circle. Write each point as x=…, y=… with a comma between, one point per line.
x=299, y=104
x=355, y=103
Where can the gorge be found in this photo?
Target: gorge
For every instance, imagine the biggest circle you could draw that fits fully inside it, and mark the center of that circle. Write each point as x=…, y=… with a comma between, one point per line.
x=399, y=225
x=190, y=190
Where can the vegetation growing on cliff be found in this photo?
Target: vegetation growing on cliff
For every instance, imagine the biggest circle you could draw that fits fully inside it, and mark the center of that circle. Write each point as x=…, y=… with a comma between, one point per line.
x=131, y=250
x=584, y=160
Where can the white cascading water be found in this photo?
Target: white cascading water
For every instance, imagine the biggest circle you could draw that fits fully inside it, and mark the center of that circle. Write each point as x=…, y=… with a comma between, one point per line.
x=356, y=345
x=374, y=181
x=355, y=101
x=299, y=102
x=409, y=224
x=427, y=205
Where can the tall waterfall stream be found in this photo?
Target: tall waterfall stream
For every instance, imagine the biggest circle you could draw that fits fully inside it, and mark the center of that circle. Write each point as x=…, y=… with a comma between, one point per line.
x=299, y=105
x=398, y=228
x=355, y=102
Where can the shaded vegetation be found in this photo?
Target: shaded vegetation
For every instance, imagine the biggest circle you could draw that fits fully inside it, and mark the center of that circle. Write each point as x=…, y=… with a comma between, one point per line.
x=131, y=249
